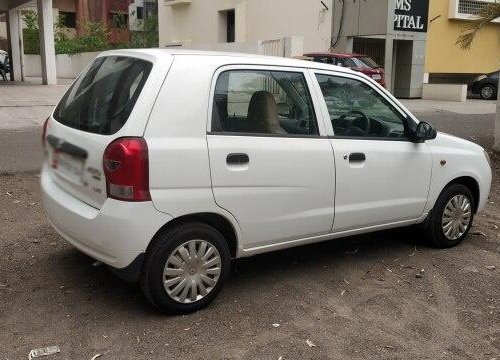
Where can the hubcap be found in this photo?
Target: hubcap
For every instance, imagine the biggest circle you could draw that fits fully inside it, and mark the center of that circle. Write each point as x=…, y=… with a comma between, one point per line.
x=487, y=92
x=192, y=271
x=456, y=217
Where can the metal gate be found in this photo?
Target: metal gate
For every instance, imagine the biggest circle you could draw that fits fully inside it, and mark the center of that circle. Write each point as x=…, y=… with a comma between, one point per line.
x=374, y=48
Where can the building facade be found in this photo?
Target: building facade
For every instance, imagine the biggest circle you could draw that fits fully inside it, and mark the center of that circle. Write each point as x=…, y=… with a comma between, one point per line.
x=445, y=61
x=392, y=32
x=187, y=22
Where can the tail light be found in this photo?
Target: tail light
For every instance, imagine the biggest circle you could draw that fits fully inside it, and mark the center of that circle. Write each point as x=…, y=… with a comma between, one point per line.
x=44, y=131
x=126, y=167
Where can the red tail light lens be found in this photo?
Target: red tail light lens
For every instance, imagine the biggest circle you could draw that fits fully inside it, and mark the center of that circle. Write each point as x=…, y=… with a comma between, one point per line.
x=44, y=131
x=126, y=166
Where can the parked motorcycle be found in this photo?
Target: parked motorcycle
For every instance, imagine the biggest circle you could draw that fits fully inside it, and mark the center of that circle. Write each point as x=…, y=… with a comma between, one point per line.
x=4, y=64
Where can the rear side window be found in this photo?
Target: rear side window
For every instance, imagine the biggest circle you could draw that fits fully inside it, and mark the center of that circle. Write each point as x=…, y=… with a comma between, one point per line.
x=263, y=102
x=102, y=98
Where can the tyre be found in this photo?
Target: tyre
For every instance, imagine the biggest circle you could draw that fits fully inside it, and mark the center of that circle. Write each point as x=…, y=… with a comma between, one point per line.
x=488, y=92
x=185, y=268
x=451, y=218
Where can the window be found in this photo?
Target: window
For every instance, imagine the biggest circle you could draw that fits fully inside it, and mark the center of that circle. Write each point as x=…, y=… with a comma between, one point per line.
x=68, y=19
x=324, y=59
x=102, y=98
x=263, y=102
x=468, y=9
x=226, y=26
x=369, y=62
x=230, y=26
x=140, y=13
x=357, y=110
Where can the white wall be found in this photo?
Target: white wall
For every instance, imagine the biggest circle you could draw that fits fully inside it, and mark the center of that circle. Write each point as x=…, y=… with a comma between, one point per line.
x=199, y=21
x=67, y=67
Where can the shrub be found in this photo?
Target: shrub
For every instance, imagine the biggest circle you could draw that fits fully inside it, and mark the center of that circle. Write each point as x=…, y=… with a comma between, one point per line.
x=95, y=39
x=31, y=40
x=95, y=36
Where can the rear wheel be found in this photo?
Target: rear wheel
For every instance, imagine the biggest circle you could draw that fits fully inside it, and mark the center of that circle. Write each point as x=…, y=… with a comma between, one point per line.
x=185, y=268
x=452, y=216
x=488, y=92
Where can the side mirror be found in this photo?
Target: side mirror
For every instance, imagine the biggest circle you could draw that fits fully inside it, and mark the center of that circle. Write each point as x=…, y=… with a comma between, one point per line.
x=424, y=131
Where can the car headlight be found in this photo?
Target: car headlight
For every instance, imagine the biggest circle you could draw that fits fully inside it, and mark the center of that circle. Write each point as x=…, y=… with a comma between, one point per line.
x=480, y=77
x=487, y=156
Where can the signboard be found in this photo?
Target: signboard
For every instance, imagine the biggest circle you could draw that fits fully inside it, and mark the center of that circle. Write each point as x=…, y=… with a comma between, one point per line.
x=411, y=15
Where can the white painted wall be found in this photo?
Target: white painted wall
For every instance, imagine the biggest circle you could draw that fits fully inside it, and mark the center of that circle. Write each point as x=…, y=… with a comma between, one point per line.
x=67, y=67
x=200, y=22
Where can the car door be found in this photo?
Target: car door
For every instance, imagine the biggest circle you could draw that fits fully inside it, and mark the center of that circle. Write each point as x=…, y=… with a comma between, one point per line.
x=271, y=167
x=382, y=178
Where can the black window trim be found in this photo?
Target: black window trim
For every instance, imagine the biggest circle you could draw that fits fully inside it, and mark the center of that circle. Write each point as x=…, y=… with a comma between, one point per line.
x=271, y=68
x=406, y=117
x=250, y=134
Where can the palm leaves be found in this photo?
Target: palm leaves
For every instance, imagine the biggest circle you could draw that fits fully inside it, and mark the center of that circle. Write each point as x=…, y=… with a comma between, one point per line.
x=489, y=13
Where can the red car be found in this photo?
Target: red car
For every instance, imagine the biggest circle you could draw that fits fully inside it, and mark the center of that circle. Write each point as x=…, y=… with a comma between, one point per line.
x=357, y=62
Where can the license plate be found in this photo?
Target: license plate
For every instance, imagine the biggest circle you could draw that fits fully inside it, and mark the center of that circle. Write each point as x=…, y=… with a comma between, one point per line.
x=377, y=77
x=68, y=166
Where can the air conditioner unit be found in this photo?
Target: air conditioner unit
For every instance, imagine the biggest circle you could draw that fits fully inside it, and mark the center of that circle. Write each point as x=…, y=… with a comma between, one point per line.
x=468, y=9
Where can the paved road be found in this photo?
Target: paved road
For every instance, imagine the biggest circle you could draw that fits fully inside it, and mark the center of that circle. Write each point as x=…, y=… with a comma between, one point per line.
x=20, y=150
x=23, y=109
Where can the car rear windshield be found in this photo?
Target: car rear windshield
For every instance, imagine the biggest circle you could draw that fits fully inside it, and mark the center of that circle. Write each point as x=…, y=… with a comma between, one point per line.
x=368, y=61
x=102, y=98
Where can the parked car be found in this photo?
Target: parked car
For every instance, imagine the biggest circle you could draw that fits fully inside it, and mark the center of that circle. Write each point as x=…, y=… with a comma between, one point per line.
x=167, y=164
x=486, y=86
x=4, y=64
x=356, y=62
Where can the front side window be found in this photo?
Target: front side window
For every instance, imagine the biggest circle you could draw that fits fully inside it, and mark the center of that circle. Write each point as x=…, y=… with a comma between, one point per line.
x=101, y=99
x=263, y=102
x=357, y=110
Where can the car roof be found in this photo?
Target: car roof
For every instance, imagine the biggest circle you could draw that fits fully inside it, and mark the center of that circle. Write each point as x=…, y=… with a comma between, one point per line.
x=231, y=58
x=330, y=54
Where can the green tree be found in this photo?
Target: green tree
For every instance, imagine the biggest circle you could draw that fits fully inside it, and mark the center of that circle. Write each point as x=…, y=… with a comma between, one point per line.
x=148, y=37
x=489, y=13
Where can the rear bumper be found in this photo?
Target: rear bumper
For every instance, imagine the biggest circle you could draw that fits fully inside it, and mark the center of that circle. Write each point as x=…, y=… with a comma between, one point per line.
x=116, y=234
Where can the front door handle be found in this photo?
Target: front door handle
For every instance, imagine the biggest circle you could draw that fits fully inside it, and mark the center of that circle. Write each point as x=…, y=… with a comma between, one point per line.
x=237, y=159
x=357, y=157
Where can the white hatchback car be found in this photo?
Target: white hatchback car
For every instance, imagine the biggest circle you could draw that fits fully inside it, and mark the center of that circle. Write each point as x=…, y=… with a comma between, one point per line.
x=165, y=165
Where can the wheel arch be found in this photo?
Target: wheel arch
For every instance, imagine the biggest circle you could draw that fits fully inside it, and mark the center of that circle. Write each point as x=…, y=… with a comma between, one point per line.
x=218, y=221
x=471, y=184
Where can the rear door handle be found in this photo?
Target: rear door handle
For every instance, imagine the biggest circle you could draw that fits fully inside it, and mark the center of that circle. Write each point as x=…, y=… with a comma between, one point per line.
x=237, y=159
x=357, y=157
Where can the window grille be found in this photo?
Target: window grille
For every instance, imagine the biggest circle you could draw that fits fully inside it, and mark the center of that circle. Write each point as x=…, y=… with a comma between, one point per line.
x=471, y=7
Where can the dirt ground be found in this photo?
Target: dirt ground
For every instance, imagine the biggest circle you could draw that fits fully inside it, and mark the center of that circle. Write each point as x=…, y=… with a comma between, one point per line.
x=352, y=298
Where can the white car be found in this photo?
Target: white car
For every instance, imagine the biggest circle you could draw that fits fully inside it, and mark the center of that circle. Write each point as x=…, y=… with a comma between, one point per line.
x=165, y=165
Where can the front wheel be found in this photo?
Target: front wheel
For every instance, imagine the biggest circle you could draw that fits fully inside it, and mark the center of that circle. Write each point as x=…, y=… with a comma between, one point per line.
x=451, y=218
x=488, y=92
x=185, y=268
